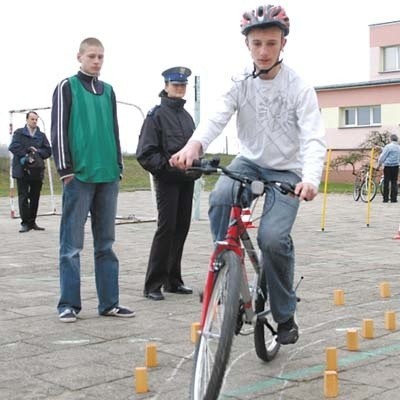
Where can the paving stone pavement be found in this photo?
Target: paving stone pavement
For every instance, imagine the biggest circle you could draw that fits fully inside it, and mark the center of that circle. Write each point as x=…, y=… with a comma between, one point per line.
x=95, y=358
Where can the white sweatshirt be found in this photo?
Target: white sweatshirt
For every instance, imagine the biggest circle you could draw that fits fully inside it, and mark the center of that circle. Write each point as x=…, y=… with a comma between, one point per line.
x=279, y=124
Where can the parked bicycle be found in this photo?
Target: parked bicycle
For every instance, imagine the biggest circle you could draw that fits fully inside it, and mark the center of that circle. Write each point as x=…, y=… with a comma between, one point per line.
x=381, y=182
x=228, y=302
x=380, y=185
x=362, y=182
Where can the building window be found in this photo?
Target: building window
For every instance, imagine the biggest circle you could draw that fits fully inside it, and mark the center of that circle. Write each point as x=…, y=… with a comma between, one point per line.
x=391, y=58
x=361, y=116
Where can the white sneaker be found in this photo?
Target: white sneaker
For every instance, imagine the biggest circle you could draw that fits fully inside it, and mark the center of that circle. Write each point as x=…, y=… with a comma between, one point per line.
x=120, y=311
x=68, y=315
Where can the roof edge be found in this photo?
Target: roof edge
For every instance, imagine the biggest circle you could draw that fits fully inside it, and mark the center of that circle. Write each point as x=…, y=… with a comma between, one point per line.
x=385, y=23
x=381, y=82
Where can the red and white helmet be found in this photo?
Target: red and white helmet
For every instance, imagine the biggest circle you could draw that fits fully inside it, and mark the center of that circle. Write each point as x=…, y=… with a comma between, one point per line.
x=264, y=16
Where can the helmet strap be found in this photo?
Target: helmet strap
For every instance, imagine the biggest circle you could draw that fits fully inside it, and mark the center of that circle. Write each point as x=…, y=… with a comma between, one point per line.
x=264, y=71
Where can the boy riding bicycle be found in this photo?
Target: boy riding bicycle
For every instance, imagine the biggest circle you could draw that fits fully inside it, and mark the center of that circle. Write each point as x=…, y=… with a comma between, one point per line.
x=281, y=138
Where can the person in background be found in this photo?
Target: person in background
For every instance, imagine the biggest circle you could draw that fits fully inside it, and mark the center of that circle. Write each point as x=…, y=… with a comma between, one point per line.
x=26, y=142
x=87, y=154
x=281, y=138
x=166, y=129
x=390, y=159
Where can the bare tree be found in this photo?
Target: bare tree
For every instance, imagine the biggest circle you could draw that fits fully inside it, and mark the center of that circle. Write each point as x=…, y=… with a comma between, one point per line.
x=374, y=140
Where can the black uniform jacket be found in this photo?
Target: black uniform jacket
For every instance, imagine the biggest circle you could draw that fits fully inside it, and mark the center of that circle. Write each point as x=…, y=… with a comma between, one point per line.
x=166, y=129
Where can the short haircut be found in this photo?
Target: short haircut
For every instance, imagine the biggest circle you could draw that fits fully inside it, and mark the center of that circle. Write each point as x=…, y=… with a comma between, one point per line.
x=91, y=41
x=31, y=112
x=394, y=138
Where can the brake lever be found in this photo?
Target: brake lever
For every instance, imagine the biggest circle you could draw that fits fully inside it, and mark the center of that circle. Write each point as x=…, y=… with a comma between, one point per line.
x=285, y=188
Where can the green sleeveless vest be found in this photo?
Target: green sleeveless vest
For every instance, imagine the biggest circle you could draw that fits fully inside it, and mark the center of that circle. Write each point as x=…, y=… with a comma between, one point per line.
x=91, y=135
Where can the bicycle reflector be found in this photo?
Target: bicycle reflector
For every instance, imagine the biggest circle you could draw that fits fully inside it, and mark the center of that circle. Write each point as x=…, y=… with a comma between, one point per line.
x=257, y=188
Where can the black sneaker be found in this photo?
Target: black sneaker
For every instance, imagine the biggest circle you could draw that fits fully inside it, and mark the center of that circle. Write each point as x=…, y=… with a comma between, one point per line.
x=120, y=311
x=288, y=332
x=68, y=315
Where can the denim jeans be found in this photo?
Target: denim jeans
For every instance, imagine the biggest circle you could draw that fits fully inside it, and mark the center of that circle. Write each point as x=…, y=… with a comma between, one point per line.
x=100, y=199
x=273, y=236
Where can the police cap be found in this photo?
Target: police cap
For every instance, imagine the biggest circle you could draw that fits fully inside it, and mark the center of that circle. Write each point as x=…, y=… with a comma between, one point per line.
x=177, y=75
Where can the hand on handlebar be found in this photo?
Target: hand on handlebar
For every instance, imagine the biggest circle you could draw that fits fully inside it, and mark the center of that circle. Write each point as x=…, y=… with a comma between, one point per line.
x=183, y=159
x=305, y=191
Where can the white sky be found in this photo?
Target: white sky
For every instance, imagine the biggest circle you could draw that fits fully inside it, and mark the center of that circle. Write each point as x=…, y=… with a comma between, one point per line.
x=328, y=43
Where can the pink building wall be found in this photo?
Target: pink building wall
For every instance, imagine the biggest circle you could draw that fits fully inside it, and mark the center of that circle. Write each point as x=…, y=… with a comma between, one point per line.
x=349, y=138
x=382, y=35
x=359, y=96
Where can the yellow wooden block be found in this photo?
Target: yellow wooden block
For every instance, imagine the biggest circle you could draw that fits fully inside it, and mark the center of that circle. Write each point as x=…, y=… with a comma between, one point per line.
x=367, y=330
x=151, y=355
x=331, y=384
x=195, y=332
x=352, y=339
x=390, y=320
x=384, y=289
x=141, y=383
x=338, y=297
x=331, y=359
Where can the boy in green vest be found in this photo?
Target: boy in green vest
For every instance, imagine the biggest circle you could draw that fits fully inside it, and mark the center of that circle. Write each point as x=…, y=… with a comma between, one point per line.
x=87, y=154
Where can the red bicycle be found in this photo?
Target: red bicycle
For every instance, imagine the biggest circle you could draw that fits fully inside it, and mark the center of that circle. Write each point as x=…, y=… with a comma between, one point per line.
x=228, y=302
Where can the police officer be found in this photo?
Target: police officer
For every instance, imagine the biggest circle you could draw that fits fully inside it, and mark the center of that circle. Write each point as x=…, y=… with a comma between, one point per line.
x=166, y=129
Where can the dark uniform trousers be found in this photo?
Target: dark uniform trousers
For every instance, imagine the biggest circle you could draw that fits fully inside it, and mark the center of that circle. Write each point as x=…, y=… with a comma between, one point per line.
x=28, y=199
x=174, y=204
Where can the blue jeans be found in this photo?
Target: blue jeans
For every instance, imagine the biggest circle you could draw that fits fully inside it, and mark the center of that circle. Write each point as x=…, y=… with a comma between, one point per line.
x=100, y=199
x=273, y=236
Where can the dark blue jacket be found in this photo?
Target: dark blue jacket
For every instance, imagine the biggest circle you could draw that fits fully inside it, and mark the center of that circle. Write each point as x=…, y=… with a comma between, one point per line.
x=20, y=144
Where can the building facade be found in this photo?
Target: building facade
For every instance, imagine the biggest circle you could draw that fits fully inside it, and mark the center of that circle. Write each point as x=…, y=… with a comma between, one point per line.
x=352, y=111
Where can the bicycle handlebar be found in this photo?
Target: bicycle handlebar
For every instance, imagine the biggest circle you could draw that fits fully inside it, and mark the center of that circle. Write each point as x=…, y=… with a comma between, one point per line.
x=211, y=166
x=205, y=165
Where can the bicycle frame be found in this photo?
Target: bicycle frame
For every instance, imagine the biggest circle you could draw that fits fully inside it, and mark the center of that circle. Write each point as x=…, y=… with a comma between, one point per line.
x=236, y=235
x=228, y=301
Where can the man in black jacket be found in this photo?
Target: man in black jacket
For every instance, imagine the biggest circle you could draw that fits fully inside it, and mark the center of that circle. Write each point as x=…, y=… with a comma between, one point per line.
x=166, y=129
x=27, y=143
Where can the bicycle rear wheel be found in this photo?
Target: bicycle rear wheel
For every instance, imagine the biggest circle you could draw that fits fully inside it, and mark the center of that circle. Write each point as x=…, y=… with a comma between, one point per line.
x=364, y=191
x=381, y=183
x=214, y=344
x=265, y=342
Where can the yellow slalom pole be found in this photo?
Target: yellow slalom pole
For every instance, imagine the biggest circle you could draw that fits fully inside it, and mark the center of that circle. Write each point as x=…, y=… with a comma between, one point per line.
x=328, y=164
x=371, y=161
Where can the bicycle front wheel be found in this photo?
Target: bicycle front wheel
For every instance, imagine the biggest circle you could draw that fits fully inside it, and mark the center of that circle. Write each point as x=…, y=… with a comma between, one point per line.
x=215, y=341
x=265, y=342
x=356, y=191
x=364, y=191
